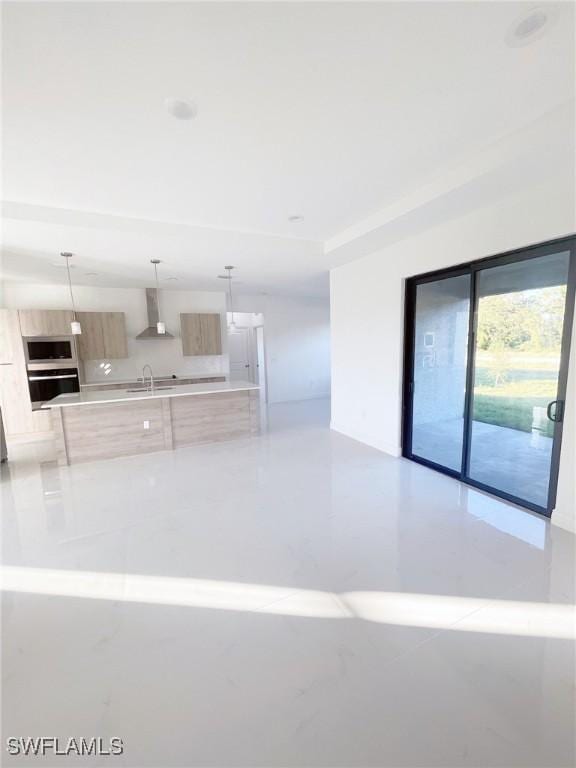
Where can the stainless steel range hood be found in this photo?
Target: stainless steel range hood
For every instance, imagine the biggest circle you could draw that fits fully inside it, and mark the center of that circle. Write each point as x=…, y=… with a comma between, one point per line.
x=152, y=306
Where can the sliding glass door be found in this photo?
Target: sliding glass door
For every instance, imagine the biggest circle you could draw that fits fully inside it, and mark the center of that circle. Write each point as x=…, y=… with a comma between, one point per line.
x=442, y=318
x=485, y=371
x=518, y=348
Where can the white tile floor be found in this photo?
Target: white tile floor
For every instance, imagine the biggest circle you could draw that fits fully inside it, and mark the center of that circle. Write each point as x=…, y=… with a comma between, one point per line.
x=297, y=599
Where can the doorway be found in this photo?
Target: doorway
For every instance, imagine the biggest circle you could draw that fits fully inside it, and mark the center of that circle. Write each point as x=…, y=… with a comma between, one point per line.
x=486, y=363
x=246, y=349
x=261, y=363
x=239, y=353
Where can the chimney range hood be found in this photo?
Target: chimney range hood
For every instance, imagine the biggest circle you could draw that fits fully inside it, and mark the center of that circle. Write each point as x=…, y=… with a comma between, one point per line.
x=152, y=307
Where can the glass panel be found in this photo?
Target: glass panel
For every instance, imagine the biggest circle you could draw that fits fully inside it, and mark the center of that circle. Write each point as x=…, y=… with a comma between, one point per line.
x=517, y=360
x=49, y=350
x=440, y=349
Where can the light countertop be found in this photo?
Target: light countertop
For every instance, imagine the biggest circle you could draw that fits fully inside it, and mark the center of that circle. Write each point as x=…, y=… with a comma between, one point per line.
x=120, y=395
x=179, y=376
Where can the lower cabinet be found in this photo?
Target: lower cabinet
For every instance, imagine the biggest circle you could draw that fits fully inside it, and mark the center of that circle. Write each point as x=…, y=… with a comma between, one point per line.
x=89, y=432
x=129, y=427
x=42, y=421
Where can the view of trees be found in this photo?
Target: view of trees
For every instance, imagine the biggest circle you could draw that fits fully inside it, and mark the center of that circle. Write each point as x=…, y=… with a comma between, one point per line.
x=527, y=321
x=518, y=343
x=519, y=340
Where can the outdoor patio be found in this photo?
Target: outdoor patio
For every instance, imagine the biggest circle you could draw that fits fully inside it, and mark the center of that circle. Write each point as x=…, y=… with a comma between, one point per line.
x=507, y=459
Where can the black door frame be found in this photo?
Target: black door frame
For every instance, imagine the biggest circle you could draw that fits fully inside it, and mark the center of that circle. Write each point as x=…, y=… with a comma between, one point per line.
x=472, y=268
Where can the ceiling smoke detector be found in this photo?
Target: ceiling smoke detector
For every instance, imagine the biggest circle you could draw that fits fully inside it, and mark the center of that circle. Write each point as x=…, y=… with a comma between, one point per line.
x=530, y=26
x=181, y=109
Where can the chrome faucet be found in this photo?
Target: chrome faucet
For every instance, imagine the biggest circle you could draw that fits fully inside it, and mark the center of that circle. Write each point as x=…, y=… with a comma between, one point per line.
x=151, y=376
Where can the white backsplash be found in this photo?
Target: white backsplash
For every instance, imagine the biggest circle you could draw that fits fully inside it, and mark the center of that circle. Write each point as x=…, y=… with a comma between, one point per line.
x=165, y=357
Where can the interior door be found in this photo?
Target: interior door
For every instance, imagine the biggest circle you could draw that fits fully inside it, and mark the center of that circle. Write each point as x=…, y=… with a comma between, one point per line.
x=239, y=353
x=486, y=366
x=516, y=402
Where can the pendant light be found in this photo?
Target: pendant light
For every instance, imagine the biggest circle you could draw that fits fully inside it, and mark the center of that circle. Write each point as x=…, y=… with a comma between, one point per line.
x=160, y=326
x=228, y=276
x=75, y=326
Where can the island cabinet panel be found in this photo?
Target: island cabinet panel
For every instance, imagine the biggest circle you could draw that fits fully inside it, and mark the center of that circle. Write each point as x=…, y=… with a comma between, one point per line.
x=92, y=432
x=103, y=336
x=255, y=406
x=45, y=322
x=201, y=334
x=210, y=418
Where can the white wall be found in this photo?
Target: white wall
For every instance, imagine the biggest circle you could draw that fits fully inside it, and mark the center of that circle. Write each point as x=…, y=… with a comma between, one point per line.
x=297, y=345
x=165, y=356
x=367, y=317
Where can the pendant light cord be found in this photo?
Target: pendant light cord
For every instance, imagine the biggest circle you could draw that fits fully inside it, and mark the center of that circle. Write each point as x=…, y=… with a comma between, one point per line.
x=157, y=290
x=70, y=286
x=230, y=293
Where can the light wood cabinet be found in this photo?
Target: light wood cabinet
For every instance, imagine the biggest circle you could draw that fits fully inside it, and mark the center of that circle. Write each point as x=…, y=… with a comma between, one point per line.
x=14, y=393
x=42, y=422
x=8, y=322
x=201, y=334
x=45, y=322
x=104, y=430
x=114, y=327
x=90, y=343
x=103, y=336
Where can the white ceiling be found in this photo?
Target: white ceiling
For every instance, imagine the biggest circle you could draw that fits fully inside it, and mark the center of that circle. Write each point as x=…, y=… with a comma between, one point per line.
x=330, y=110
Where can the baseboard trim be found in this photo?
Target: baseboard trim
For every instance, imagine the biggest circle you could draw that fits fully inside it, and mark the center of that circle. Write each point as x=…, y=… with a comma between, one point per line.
x=379, y=445
x=306, y=398
x=564, y=521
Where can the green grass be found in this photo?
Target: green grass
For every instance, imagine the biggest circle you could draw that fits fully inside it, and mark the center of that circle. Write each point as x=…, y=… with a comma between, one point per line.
x=508, y=400
x=509, y=412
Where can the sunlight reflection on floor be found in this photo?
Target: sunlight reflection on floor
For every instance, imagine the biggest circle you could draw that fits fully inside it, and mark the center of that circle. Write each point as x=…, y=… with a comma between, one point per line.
x=468, y=614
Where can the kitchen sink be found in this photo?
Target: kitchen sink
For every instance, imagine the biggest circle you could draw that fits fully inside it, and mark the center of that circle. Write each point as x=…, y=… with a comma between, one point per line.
x=147, y=389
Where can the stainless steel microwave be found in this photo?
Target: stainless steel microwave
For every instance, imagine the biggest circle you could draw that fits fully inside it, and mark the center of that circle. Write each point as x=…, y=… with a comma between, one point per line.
x=49, y=349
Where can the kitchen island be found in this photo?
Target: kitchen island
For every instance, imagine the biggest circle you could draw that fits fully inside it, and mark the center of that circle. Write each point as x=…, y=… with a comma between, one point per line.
x=91, y=425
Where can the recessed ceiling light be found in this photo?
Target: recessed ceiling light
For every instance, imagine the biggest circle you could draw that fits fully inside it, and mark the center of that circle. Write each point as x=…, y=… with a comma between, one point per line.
x=181, y=109
x=530, y=26
x=295, y=219
x=90, y=274
x=170, y=278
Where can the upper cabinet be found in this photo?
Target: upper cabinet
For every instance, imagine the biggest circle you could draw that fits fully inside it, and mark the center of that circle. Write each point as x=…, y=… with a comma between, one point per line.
x=201, y=334
x=103, y=336
x=114, y=330
x=45, y=322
